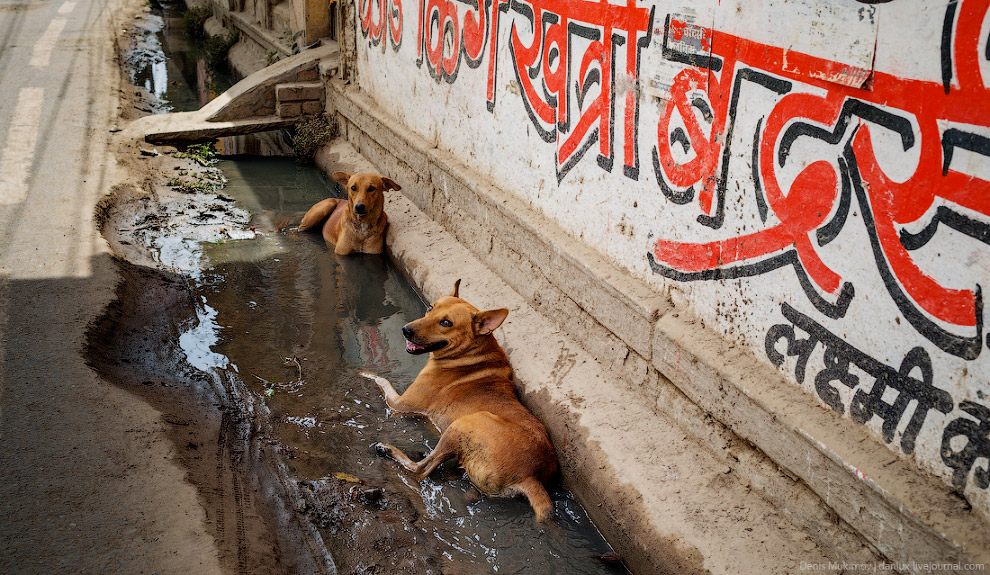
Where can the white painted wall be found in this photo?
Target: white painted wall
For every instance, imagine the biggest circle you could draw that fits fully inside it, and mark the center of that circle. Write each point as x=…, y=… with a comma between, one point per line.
x=798, y=65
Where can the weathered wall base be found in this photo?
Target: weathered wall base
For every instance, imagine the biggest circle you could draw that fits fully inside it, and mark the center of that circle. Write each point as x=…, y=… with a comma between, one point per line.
x=820, y=480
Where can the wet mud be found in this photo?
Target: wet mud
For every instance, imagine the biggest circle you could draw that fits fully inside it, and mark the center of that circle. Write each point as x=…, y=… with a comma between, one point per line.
x=155, y=341
x=263, y=520
x=214, y=429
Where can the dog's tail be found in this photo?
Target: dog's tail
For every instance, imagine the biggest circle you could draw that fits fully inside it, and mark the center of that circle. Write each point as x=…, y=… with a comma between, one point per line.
x=538, y=498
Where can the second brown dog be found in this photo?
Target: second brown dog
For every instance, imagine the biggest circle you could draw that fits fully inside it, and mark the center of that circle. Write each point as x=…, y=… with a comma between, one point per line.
x=357, y=224
x=466, y=390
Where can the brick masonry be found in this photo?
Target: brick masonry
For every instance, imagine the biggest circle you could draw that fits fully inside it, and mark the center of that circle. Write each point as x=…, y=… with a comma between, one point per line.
x=299, y=98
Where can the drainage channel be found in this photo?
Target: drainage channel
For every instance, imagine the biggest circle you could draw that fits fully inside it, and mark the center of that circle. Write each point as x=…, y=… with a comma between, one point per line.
x=256, y=343
x=296, y=323
x=168, y=61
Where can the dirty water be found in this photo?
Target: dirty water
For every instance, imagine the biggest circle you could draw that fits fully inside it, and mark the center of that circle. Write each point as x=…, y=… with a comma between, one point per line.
x=272, y=332
x=296, y=323
x=170, y=65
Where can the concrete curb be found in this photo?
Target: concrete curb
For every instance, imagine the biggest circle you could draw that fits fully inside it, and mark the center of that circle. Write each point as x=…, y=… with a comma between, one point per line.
x=892, y=506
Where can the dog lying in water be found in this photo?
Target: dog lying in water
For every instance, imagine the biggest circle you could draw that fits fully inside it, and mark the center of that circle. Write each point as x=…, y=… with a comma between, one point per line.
x=466, y=390
x=357, y=224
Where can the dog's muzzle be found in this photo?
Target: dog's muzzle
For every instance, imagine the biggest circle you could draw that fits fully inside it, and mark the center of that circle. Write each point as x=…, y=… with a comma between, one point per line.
x=360, y=209
x=418, y=348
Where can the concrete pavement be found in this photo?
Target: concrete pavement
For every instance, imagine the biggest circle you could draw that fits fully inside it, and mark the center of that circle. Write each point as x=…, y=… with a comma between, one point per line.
x=87, y=478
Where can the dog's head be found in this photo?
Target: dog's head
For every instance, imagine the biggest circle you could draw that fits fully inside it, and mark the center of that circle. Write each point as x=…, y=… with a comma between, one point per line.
x=365, y=192
x=451, y=327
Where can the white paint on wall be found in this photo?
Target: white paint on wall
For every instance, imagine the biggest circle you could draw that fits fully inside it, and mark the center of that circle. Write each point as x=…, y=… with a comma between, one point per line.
x=840, y=31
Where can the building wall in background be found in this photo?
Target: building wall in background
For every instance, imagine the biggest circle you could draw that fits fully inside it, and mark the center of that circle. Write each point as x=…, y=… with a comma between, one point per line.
x=810, y=177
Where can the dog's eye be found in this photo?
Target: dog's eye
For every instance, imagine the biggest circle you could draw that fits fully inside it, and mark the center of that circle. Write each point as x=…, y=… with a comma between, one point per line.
x=354, y=188
x=371, y=188
x=446, y=323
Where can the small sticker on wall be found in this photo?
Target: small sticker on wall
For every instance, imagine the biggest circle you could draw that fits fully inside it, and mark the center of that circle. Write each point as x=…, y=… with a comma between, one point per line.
x=676, y=41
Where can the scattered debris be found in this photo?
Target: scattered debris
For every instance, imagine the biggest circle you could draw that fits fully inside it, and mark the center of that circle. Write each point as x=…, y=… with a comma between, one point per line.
x=294, y=360
x=311, y=134
x=204, y=154
x=348, y=478
x=610, y=558
x=367, y=496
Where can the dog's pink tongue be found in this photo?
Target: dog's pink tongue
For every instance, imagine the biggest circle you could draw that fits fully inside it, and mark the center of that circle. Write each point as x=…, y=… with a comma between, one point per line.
x=410, y=346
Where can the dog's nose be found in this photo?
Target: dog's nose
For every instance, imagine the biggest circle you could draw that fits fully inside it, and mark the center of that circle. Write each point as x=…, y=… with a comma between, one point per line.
x=360, y=208
x=407, y=331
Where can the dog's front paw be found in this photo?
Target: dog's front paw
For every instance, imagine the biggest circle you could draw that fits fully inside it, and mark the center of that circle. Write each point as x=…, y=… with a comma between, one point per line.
x=381, y=381
x=382, y=449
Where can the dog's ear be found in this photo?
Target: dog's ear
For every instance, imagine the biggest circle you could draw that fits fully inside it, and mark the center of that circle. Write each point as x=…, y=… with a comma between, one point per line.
x=486, y=322
x=341, y=178
x=457, y=286
x=391, y=185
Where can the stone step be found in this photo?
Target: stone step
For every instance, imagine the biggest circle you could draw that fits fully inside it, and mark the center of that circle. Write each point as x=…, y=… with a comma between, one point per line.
x=299, y=91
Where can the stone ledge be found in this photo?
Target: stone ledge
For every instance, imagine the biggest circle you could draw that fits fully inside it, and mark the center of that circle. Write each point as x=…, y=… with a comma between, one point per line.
x=191, y=127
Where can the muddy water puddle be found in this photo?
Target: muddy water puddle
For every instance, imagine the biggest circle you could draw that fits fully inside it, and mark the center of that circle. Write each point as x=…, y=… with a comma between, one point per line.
x=295, y=323
x=170, y=63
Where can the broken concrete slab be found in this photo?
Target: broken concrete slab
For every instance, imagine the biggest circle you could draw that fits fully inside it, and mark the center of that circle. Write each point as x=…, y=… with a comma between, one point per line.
x=247, y=107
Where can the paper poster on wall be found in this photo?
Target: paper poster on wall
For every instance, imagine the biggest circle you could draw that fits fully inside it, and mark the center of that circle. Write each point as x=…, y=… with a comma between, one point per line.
x=831, y=40
x=681, y=39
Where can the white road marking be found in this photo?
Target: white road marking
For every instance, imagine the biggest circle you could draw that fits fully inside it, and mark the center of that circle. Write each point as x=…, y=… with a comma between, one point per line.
x=67, y=7
x=18, y=155
x=46, y=44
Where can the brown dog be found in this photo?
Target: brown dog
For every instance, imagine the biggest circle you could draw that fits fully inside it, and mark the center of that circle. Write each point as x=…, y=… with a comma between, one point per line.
x=467, y=392
x=357, y=224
